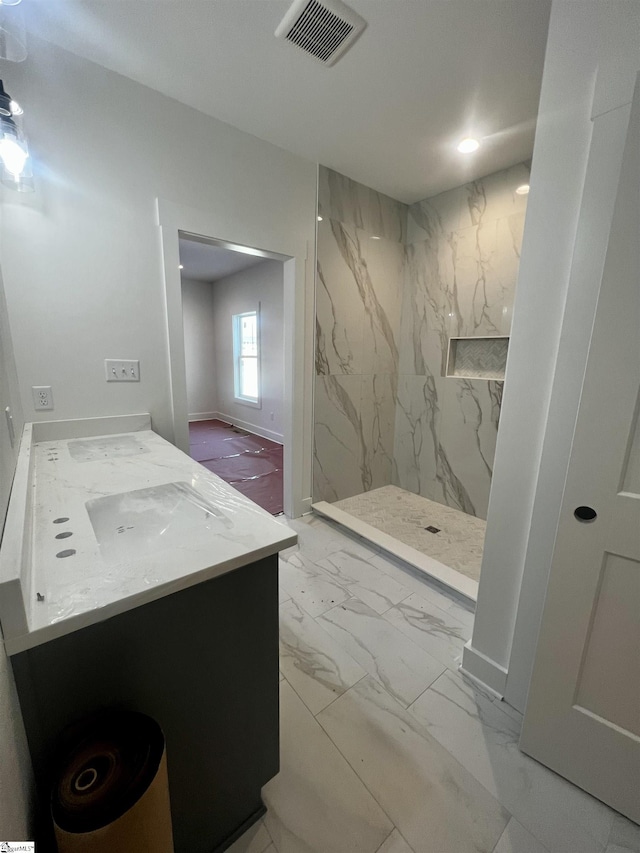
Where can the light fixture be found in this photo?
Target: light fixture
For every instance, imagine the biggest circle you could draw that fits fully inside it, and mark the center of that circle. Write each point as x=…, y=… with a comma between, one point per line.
x=5, y=102
x=15, y=168
x=16, y=109
x=523, y=189
x=468, y=145
x=22, y=183
x=13, y=147
x=180, y=266
x=13, y=32
x=319, y=219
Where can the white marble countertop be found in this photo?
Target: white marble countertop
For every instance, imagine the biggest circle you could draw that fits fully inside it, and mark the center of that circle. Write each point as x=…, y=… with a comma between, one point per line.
x=117, y=521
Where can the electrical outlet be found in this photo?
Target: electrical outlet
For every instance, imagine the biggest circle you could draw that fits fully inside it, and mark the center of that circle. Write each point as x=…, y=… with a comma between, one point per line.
x=122, y=370
x=42, y=397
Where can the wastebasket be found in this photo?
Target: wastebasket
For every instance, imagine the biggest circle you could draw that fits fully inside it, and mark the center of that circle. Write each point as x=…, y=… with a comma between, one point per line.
x=111, y=791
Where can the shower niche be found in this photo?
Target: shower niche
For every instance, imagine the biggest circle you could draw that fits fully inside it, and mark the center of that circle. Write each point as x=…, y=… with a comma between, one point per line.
x=477, y=357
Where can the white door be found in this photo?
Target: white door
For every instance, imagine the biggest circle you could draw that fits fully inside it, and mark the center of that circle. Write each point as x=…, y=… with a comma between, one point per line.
x=583, y=712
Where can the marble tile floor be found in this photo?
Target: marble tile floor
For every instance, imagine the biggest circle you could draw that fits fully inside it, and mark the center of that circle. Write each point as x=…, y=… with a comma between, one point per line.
x=384, y=746
x=404, y=515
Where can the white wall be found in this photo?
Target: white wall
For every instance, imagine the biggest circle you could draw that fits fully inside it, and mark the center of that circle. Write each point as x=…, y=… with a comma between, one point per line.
x=552, y=321
x=82, y=256
x=15, y=765
x=236, y=294
x=199, y=347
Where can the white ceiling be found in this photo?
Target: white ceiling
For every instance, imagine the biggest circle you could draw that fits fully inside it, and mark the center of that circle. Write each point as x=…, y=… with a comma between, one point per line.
x=208, y=262
x=422, y=75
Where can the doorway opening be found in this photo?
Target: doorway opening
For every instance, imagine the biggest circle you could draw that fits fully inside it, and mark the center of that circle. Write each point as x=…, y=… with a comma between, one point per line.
x=232, y=313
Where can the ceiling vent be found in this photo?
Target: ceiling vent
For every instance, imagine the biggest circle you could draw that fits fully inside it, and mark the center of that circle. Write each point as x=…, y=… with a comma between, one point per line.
x=325, y=30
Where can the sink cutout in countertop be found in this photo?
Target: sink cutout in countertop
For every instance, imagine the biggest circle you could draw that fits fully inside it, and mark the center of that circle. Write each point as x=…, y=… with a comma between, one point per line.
x=105, y=447
x=134, y=524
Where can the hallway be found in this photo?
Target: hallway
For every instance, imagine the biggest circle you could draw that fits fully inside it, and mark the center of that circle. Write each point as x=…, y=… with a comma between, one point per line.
x=384, y=746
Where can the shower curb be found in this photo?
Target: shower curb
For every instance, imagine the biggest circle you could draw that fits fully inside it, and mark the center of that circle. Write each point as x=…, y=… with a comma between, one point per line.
x=448, y=577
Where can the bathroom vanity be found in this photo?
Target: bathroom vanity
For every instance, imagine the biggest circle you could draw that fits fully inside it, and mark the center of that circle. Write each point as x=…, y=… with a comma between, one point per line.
x=130, y=576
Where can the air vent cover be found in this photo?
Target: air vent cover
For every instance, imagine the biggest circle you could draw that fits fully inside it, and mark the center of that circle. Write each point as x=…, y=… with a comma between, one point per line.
x=325, y=30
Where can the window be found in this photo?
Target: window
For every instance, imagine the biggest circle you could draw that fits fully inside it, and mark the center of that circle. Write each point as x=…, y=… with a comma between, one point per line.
x=246, y=357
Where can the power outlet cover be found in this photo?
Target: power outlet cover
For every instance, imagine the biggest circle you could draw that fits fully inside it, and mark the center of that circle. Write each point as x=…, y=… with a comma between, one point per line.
x=42, y=397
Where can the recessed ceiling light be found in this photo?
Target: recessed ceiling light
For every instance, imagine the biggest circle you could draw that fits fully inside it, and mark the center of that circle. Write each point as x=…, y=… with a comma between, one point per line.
x=523, y=189
x=180, y=266
x=319, y=219
x=468, y=145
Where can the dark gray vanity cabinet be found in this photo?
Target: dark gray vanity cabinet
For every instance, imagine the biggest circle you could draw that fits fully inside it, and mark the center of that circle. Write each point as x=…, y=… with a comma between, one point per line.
x=203, y=662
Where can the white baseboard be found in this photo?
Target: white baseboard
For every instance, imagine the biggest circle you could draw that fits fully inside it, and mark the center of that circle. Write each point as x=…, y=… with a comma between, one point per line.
x=258, y=430
x=485, y=671
x=305, y=506
x=203, y=416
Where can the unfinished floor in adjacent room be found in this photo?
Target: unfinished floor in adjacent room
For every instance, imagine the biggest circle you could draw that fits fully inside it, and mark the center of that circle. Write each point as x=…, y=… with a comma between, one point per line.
x=446, y=534
x=251, y=464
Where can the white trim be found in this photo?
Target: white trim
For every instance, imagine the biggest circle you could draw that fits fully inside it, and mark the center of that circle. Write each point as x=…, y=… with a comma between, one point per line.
x=298, y=370
x=445, y=575
x=258, y=430
x=203, y=416
x=489, y=674
x=254, y=402
x=306, y=505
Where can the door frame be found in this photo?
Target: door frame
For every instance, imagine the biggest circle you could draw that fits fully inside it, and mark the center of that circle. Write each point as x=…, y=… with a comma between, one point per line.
x=174, y=219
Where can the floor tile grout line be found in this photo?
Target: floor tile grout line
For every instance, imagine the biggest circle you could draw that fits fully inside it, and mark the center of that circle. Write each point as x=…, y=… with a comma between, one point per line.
x=362, y=782
x=271, y=841
x=437, y=678
x=437, y=607
x=389, y=625
x=341, y=694
x=428, y=736
x=340, y=752
x=395, y=829
x=404, y=571
x=321, y=627
x=544, y=847
x=386, y=839
x=395, y=605
x=433, y=683
x=382, y=616
x=346, y=653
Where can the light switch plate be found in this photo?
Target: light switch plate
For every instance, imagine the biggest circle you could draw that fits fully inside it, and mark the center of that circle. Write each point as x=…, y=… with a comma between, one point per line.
x=122, y=370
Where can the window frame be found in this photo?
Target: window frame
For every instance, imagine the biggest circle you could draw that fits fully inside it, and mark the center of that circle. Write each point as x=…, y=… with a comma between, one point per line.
x=236, y=320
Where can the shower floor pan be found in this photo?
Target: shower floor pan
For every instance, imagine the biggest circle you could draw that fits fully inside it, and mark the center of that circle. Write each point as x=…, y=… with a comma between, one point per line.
x=439, y=541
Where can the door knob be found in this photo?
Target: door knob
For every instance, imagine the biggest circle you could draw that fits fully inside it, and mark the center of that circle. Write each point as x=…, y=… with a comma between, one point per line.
x=585, y=513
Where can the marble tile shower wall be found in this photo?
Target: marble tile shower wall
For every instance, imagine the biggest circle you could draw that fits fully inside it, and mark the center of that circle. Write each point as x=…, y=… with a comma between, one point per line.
x=361, y=244
x=462, y=255
x=393, y=284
